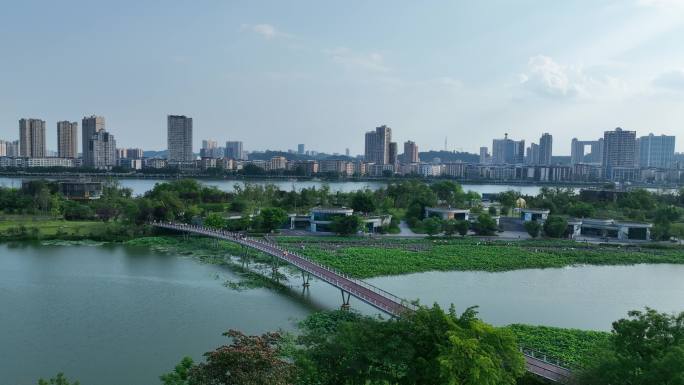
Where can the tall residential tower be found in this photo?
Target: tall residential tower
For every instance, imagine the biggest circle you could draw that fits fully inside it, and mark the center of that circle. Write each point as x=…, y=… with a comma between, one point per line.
x=67, y=139
x=179, y=138
x=32, y=138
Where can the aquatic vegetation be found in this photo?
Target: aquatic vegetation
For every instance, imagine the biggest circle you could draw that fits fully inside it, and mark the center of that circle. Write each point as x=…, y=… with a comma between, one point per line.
x=364, y=257
x=567, y=345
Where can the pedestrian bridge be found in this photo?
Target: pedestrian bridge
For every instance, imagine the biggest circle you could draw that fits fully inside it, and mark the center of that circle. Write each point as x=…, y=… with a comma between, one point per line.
x=380, y=299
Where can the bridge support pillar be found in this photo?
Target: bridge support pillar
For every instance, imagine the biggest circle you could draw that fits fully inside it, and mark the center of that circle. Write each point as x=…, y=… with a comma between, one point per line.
x=305, y=279
x=345, y=300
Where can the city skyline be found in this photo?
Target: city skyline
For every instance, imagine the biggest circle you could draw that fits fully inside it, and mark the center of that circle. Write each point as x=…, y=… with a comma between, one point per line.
x=442, y=76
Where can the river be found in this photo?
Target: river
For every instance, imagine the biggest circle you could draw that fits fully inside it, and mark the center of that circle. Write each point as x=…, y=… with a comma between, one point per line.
x=112, y=314
x=140, y=186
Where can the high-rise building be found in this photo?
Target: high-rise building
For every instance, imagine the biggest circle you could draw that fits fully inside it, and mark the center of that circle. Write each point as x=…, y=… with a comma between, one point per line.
x=619, y=147
x=67, y=139
x=393, y=149
x=578, y=151
x=135, y=153
x=209, y=144
x=377, y=145
x=545, y=149
x=656, y=151
x=508, y=151
x=12, y=148
x=346, y=151
x=32, y=138
x=179, y=138
x=300, y=149
x=102, y=148
x=234, y=150
x=533, y=154
x=411, y=152
x=90, y=126
x=3, y=148
x=484, y=155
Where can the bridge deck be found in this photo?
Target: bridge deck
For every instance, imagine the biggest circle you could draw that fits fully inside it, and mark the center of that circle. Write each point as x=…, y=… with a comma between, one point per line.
x=374, y=296
x=364, y=291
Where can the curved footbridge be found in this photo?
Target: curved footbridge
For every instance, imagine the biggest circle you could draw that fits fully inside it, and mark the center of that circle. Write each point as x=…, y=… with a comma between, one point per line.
x=372, y=295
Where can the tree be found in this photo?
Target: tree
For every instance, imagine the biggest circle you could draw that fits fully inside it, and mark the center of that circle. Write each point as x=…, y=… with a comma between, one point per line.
x=271, y=218
x=428, y=346
x=362, y=201
x=462, y=227
x=214, y=221
x=346, y=224
x=248, y=360
x=533, y=228
x=485, y=225
x=677, y=231
x=432, y=226
x=449, y=227
x=58, y=380
x=581, y=210
x=555, y=226
x=492, y=210
x=179, y=375
x=647, y=348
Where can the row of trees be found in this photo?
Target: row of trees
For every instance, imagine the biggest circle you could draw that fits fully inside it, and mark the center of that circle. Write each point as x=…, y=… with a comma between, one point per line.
x=484, y=225
x=430, y=346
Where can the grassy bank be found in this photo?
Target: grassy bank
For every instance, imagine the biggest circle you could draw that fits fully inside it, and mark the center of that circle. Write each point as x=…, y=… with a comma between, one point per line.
x=27, y=228
x=363, y=257
x=567, y=345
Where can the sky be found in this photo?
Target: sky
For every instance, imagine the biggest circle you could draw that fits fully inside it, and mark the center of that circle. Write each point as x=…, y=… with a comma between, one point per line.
x=277, y=73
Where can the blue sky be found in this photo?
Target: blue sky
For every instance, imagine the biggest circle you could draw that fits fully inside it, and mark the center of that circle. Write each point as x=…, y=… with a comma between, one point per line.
x=277, y=73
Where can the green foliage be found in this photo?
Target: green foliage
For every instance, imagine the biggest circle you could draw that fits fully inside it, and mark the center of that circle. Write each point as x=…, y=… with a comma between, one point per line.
x=429, y=346
x=271, y=218
x=646, y=348
x=432, y=226
x=533, y=228
x=555, y=226
x=214, y=221
x=57, y=380
x=364, y=258
x=346, y=224
x=485, y=225
x=570, y=346
x=363, y=202
x=179, y=375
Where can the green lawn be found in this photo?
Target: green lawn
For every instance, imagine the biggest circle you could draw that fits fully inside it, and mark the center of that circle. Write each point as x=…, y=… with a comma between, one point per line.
x=362, y=257
x=48, y=227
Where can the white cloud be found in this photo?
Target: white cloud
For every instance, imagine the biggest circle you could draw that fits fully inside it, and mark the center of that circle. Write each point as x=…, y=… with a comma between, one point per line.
x=267, y=31
x=673, y=80
x=548, y=78
x=372, y=61
x=663, y=4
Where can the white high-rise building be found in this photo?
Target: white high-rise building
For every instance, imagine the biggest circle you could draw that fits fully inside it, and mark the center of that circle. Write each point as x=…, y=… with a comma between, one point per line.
x=656, y=151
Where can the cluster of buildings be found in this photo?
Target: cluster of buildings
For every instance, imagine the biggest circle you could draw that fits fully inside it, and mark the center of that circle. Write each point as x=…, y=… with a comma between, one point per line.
x=619, y=156
x=97, y=146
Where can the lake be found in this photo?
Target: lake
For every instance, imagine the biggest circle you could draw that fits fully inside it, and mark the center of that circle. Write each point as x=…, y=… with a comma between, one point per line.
x=112, y=314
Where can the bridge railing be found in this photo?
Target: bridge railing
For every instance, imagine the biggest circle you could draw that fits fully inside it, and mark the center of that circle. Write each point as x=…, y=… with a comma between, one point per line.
x=546, y=358
x=264, y=246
